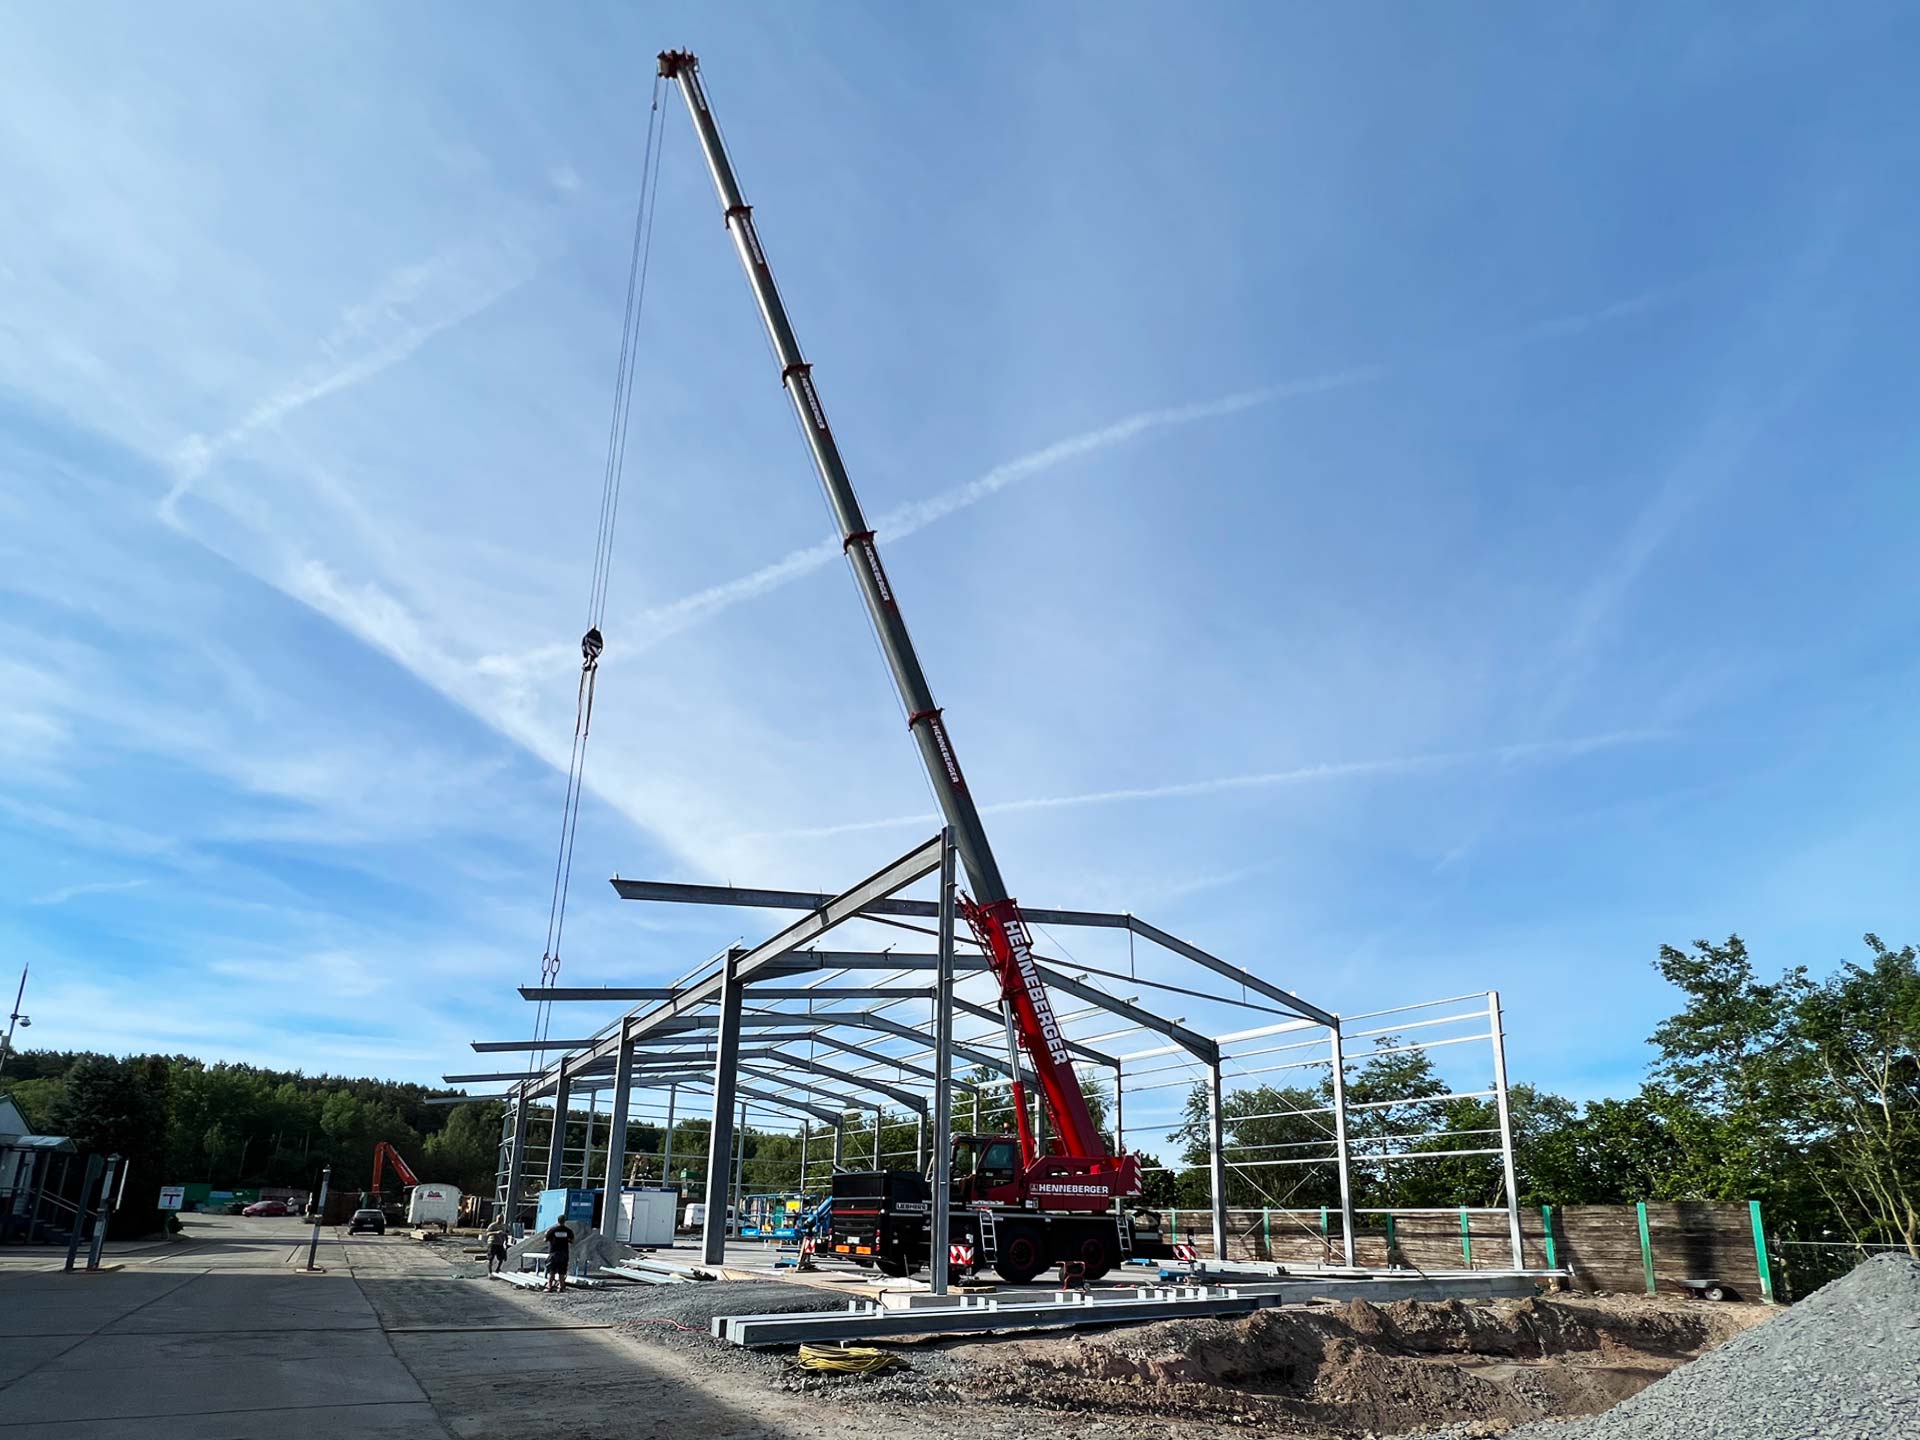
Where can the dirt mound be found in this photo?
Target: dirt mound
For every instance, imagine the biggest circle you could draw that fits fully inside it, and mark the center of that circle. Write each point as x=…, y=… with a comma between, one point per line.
x=1360, y=1368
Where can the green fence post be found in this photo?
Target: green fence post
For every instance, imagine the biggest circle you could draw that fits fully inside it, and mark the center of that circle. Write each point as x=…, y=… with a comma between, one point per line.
x=1760, y=1253
x=1466, y=1240
x=1646, y=1245
x=1173, y=1224
x=1546, y=1224
x=1390, y=1239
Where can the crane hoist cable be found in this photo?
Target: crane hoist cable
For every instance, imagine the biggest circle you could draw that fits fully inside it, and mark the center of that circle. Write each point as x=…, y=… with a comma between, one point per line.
x=593, y=643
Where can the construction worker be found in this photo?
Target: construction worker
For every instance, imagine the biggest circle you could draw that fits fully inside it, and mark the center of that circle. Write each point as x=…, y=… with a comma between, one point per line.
x=559, y=1238
x=495, y=1237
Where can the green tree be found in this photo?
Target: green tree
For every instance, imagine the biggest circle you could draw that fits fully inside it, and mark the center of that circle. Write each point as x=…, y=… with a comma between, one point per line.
x=120, y=1107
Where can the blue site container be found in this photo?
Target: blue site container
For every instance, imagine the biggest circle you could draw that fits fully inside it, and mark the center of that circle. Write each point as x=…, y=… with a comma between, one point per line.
x=576, y=1205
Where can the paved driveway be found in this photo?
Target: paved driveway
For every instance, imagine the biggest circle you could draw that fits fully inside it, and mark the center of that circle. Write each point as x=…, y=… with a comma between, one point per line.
x=221, y=1337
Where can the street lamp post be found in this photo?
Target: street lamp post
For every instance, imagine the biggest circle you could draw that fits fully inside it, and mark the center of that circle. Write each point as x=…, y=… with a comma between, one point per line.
x=16, y=1018
x=319, y=1213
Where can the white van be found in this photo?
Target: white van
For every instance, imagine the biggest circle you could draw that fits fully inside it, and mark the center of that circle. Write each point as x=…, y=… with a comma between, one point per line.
x=432, y=1204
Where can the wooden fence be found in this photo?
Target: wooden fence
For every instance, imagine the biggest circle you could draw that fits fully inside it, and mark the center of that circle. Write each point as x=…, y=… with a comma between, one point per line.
x=1627, y=1248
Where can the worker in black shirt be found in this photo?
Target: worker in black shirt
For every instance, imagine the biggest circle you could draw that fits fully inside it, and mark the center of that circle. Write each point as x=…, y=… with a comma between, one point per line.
x=559, y=1239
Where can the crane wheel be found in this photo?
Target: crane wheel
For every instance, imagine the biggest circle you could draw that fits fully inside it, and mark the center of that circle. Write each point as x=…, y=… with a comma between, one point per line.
x=1095, y=1254
x=1022, y=1256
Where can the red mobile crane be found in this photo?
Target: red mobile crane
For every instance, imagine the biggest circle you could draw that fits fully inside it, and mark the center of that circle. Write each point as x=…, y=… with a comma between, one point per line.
x=1068, y=1199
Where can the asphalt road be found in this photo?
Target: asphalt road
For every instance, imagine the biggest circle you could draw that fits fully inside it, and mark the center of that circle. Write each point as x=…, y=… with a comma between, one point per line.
x=222, y=1336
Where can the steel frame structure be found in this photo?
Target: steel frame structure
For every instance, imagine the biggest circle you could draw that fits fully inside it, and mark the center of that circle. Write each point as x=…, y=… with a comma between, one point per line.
x=732, y=1032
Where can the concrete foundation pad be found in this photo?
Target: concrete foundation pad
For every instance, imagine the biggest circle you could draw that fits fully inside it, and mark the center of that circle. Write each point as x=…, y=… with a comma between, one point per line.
x=414, y=1420
x=147, y=1382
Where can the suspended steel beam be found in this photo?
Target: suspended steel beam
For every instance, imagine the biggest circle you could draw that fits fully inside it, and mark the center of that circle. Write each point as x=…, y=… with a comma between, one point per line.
x=866, y=1054
x=679, y=894
x=1236, y=973
x=1085, y=1052
x=1192, y=1040
x=671, y=892
x=911, y=1099
x=834, y=910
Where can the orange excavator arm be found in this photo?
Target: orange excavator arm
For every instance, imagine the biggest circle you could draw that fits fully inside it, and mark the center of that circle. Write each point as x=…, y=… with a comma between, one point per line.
x=383, y=1152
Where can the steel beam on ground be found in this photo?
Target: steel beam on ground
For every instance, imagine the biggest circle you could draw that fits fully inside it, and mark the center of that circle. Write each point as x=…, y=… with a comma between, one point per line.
x=726, y=1066
x=616, y=1171
x=546, y=993
x=557, y=1145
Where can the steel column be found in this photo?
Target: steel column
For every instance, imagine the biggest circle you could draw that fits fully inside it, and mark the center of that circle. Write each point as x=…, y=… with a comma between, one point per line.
x=726, y=1064
x=877, y=1128
x=586, y=1152
x=1217, y=1160
x=517, y=1157
x=1342, y=1154
x=557, y=1146
x=943, y=1079
x=840, y=1143
x=805, y=1127
x=1506, y=1123
x=666, y=1149
x=740, y=1168
x=616, y=1173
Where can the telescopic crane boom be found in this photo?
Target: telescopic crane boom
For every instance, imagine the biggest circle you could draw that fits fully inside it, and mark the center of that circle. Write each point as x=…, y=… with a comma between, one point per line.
x=992, y=912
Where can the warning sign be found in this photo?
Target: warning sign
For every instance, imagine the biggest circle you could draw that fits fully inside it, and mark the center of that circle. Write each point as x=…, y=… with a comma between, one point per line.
x=961, y=1255
x=1185, y=1252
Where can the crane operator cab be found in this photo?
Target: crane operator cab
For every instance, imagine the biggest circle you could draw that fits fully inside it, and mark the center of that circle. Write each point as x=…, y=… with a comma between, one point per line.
x=983, y=1167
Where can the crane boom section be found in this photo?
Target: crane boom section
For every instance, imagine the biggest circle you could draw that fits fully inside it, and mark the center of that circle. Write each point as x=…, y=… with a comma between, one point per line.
x=995, y=915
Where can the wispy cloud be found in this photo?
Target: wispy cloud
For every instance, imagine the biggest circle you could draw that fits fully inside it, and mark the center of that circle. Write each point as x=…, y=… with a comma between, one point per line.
x=661, y=621
x=1532, y=751
x=411, y=307
x=91, y=887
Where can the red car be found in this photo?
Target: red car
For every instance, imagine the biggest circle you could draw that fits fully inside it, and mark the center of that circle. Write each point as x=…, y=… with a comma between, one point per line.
x=267, y=1207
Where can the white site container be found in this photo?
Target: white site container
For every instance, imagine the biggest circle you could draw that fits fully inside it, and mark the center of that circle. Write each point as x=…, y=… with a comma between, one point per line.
x=646, y=1217
x=432, y=1204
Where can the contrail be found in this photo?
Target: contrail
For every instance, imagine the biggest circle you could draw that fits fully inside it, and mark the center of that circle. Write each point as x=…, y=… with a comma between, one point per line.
x=662, y=621
x=195, y=455
x=1260, y=780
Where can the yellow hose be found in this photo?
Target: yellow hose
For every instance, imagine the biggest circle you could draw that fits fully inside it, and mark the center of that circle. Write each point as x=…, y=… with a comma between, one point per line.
x=846, y=1359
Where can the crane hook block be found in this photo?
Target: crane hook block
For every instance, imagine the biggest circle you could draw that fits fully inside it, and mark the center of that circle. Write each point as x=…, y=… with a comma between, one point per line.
x=591, y=644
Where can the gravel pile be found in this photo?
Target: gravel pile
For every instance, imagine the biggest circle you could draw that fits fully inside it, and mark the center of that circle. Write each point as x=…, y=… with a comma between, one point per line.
x=1843, y=1364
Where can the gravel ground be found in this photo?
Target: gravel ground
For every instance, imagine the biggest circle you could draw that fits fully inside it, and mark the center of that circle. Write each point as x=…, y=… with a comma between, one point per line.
x=1843, y=1364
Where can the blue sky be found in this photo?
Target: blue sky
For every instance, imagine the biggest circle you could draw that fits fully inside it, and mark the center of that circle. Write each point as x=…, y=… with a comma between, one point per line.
x=1414, y=500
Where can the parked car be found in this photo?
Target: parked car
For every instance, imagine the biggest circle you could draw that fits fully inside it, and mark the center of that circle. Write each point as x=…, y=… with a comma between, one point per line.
x=267, y=1207
x=374, y=1220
